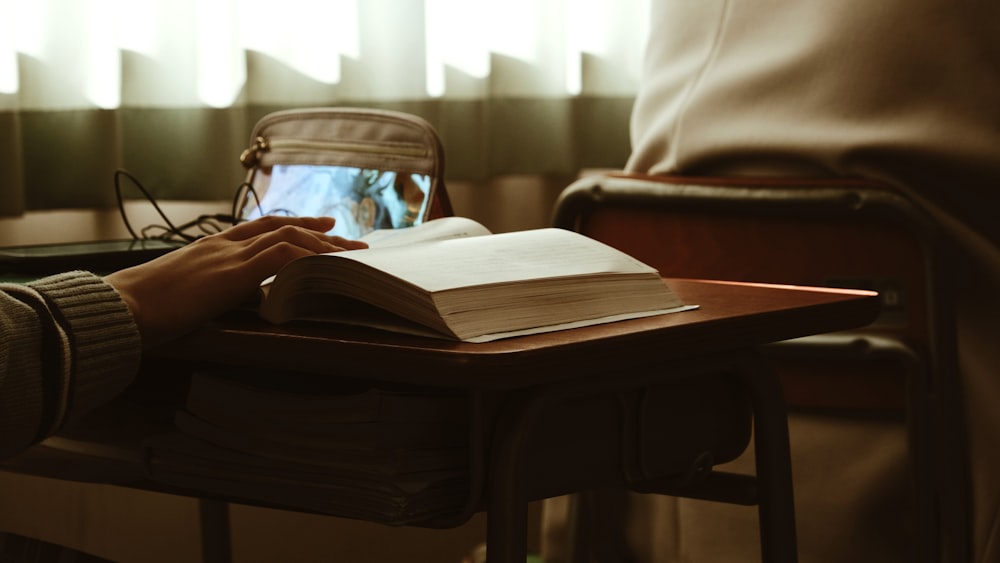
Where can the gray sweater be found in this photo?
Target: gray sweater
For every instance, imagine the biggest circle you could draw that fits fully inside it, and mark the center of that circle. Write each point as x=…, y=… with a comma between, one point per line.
x=67, y=344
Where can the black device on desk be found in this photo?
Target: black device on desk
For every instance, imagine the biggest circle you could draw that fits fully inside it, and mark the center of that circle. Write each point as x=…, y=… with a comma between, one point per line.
x=98, y=256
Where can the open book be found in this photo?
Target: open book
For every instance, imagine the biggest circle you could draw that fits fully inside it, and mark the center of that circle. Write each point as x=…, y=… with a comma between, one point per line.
x=451, y=278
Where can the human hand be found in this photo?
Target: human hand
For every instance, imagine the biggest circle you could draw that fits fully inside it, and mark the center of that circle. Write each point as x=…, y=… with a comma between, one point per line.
x=187, y=287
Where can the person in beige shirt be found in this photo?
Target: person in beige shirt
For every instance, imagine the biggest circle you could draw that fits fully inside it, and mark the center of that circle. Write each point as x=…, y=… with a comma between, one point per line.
x=902, y=91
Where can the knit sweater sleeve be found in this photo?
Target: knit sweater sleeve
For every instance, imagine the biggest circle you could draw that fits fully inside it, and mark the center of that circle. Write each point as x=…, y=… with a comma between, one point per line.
x=67, y=344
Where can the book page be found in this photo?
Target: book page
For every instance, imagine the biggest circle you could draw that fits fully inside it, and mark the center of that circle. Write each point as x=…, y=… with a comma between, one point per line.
x=437, y=229
x=578, y=324
x=443, y=228
x=498, y=259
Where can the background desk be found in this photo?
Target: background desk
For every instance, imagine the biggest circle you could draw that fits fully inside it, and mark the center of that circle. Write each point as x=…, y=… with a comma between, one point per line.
x=513, y=381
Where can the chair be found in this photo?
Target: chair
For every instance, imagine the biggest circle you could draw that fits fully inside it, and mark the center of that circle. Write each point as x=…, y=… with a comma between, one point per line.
x=836, y=232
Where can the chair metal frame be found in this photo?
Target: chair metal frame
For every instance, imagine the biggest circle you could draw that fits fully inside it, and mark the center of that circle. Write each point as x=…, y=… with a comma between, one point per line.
x=933, y=401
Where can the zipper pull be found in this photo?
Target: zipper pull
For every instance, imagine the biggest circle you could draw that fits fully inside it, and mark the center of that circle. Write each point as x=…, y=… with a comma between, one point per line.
x=251, y=156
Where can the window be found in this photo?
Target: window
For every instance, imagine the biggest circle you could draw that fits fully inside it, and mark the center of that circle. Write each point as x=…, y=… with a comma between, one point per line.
x=169, y=89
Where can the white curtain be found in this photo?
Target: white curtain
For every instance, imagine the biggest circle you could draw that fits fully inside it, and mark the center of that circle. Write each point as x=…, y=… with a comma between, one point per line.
x=170, y=88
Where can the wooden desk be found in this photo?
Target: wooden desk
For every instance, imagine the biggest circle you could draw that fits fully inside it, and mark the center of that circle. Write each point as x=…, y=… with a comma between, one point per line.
x=514, y=381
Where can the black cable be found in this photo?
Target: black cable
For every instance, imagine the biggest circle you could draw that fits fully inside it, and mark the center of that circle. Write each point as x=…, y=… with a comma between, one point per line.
x=121, y=205
x=207, y=224
x=121, y=202
x=244, y=191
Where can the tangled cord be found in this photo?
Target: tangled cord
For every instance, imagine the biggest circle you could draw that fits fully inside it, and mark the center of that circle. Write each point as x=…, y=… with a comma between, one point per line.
x=206, y=224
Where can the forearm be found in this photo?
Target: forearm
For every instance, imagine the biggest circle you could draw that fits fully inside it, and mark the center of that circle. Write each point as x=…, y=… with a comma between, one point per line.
x=69, y=344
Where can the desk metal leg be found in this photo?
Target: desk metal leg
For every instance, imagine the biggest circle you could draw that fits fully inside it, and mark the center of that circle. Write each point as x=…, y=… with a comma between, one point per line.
x=507, y=495
x=215, y=541
x=596, y=527
x=776, y=506
x=506, y=530
x=507, y=516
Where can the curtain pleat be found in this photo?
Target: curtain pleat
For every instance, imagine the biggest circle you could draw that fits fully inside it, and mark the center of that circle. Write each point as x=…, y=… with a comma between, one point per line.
x=511, y=87
x=69, y=157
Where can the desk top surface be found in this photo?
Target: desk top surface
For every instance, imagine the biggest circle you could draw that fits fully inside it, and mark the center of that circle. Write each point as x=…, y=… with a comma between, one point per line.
x=730, y=316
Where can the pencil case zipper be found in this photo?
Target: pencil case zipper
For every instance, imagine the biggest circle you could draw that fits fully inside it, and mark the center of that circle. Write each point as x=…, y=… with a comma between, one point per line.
x=252, y=156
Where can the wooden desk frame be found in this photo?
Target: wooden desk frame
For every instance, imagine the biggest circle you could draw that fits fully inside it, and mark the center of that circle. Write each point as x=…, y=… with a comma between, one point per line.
x=541, y=372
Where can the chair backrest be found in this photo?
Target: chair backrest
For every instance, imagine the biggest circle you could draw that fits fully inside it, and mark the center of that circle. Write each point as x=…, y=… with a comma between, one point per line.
x=833, y=232
x=837, y=233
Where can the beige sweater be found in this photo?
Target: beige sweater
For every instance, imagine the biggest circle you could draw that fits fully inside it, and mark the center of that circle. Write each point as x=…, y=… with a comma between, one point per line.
x=898, y=90
x=67, y=344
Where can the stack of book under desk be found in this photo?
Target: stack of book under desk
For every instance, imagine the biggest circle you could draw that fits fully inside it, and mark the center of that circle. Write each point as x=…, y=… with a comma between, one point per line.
x=392, y=454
